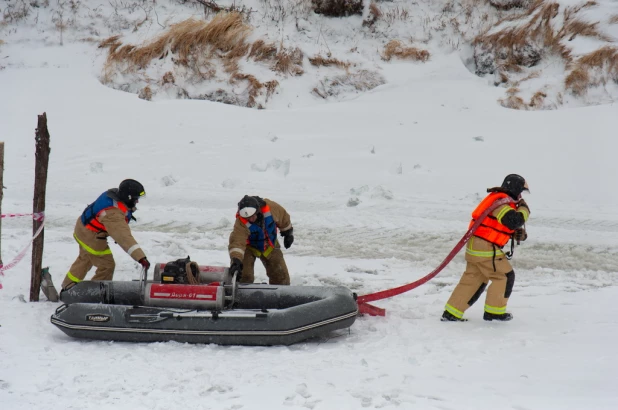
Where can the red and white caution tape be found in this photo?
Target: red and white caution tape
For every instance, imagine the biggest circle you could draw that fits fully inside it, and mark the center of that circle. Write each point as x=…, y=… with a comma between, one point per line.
x=40, y=216
x=37, y=216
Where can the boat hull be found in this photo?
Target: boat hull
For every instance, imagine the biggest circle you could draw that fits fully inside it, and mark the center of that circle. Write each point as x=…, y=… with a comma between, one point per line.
x=262, y=315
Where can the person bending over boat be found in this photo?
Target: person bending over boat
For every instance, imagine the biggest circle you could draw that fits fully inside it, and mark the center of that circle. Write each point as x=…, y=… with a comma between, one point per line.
x=108, y=216
x=255, y=236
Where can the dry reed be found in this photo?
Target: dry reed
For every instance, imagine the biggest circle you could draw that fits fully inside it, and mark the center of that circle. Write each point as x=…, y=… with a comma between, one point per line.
x=320, y=61
x=395, y=48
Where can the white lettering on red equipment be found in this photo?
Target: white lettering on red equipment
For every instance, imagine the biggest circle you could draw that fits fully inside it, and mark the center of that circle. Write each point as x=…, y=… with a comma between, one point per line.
x=191, y=292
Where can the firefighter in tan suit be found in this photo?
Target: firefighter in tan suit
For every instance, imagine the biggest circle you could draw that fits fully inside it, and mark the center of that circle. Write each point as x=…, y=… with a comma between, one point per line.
x=108, y=216
x=255, y=236
x=486, y=261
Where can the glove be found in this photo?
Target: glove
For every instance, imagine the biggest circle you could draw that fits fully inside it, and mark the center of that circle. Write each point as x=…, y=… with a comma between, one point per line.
x=522, y=203
x=520, y=235
x=288, y=238
x=144, y=262
x=236, y=266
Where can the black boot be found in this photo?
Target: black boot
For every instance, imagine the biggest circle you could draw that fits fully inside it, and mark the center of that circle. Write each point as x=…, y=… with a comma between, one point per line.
x=505, y=317
x=449, y=317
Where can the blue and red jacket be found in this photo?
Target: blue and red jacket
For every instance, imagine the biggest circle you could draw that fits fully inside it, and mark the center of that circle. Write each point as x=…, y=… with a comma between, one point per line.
x=261, y=239
x=103, y=202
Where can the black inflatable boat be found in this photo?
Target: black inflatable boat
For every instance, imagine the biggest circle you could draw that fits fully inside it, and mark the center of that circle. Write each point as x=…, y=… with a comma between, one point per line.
x=215, y=310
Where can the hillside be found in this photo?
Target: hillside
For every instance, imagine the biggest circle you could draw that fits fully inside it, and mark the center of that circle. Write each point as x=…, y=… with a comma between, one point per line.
x=290, y=53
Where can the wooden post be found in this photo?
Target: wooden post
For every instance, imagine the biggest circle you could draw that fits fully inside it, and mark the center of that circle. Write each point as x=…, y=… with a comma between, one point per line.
x=38, y=204
x=1, y=193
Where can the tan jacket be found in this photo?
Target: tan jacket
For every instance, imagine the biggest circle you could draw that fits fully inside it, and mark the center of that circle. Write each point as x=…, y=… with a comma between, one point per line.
x=116, y=226
x=479, y=250
x=240, y=233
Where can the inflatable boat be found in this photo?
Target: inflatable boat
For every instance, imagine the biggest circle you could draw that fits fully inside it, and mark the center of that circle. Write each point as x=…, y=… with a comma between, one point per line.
x=212, y=308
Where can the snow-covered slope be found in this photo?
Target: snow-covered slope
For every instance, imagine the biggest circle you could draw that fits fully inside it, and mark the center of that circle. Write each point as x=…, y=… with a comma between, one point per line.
x=542, y=55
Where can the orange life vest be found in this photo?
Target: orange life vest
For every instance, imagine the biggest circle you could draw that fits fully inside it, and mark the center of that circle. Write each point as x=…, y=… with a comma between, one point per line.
x=96, y=226
x=491, y=229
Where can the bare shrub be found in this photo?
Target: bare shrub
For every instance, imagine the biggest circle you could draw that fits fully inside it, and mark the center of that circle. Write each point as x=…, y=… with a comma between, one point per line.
x=394, y=48
x=337, y=8
x=320, y=61
x=15, y=11
x=279, y=10
x=392, y=15
x=509, y=4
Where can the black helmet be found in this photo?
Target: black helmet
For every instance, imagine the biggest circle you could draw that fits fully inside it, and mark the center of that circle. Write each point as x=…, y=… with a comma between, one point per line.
x=248, y=206
x=514, y=185
x=129, y=191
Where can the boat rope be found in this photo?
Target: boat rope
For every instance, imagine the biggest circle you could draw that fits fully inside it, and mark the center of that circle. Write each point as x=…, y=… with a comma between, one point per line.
x=365, y=307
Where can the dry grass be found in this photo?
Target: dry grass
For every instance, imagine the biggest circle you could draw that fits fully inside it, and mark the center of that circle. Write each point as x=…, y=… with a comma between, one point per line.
x=289, y=61
x=226, y=32
x=574, y=28
x=577, y=81
x=271, y=87
x=373, y=15
x=605, y=55
x=375, y=10
x=613, y=19
x=514, y=102
x=168, y=78
x=510, y=41
x=145, y=93
x=320, y=61
x=394, y=48
x=253, y=88
x=537, y=100
x=262, y=51
x=534, y=74
x=580, y=78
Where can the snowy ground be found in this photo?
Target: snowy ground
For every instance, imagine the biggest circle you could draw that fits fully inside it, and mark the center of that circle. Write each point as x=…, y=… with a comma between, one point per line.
x=417, y=154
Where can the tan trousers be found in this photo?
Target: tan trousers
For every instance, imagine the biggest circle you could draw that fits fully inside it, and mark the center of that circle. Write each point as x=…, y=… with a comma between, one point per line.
x=276, y=269
x=85, y=261
x=473, y=283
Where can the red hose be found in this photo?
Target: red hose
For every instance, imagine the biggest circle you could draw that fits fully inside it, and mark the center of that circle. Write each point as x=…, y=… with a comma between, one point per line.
x=364, y=307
